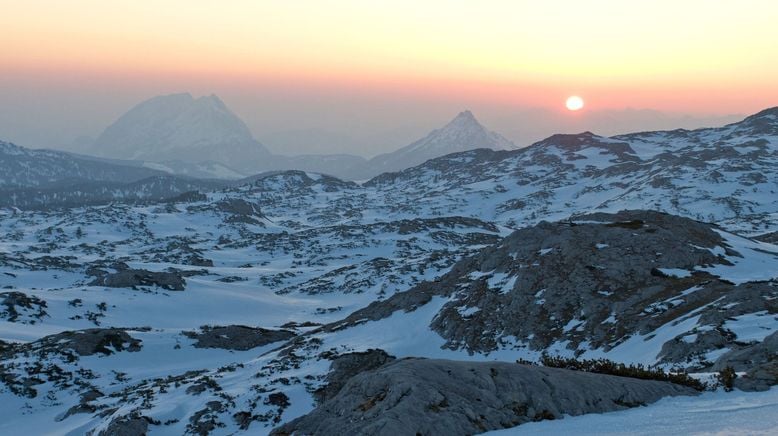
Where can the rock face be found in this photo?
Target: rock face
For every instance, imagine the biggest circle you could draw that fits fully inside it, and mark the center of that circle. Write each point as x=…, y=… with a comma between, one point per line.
x=237, y=337
x=580, y=272
x=429, y=397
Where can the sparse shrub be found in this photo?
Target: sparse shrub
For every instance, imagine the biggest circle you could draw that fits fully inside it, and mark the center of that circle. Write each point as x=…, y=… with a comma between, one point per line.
x=605, y=366
x=727, y=378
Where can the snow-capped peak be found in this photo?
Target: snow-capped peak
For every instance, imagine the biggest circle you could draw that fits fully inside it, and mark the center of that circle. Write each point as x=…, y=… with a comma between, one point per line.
x=462, y=133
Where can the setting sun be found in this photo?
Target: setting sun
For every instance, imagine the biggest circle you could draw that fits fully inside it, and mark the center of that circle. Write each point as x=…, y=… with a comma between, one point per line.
x=574, y=103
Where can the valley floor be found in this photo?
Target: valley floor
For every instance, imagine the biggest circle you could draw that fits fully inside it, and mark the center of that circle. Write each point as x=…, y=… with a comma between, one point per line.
x=720, y=413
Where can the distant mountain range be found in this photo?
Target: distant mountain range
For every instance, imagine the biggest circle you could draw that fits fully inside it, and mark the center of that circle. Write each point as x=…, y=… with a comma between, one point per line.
x=201, y=137
x=549, y=179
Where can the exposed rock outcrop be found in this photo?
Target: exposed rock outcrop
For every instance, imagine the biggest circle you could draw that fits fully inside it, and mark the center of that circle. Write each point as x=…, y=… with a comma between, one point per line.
x=428, y=397
x=127, y=426
x=346, y=366
x=131, y=278
x=592, y=283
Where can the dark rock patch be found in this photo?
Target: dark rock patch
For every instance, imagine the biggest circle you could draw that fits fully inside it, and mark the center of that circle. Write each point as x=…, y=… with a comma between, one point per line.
x=236, y=337
x=132, y=278
x=127, y=426
x=90, y=341
x=241, y=211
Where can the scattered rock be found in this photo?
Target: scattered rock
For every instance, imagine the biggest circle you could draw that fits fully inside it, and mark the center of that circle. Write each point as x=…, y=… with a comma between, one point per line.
x=18, y=304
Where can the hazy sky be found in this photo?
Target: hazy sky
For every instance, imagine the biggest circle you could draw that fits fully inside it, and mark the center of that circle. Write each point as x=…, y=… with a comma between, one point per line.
x=372, y=74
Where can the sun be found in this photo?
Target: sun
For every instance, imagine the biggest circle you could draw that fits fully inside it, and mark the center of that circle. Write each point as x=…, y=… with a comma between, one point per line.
x=574, y=103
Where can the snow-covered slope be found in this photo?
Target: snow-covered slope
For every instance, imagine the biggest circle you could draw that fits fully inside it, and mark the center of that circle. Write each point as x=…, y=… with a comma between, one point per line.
x=23, y=167
x=450, y=260
x=45, y=179
x=719, y=413
x=462, y=133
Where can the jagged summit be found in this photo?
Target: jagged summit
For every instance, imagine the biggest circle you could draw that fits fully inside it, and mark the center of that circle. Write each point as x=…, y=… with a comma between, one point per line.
x=462, y=133
x=464, y=117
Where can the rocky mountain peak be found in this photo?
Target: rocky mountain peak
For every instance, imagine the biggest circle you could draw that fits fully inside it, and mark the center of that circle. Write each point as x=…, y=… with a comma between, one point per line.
x=181, y=127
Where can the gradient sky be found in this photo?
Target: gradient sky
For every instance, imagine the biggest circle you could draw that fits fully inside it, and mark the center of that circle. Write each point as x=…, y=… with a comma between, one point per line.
x=374, y=69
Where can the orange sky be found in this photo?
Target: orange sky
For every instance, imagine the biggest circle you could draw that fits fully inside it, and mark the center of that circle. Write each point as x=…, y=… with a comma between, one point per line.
x=684, y=56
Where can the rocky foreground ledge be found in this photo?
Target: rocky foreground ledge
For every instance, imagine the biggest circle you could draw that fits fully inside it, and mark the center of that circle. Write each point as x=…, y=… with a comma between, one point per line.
x=430, y=396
